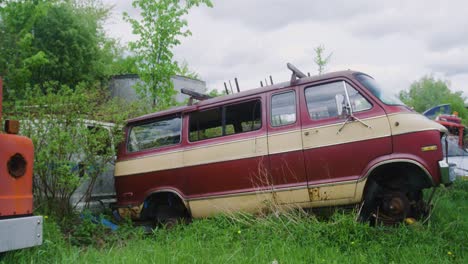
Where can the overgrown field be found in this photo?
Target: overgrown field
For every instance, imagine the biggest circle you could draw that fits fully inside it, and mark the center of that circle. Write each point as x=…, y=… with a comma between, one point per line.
x=291, y=238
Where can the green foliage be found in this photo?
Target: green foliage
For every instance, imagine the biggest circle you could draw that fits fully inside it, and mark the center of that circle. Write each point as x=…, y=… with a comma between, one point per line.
x=320, y=59
x=61, y=41
x=86, y=231
x=160, y=30
x=295, y=237
x=67, y=239
x=125, y=65
x=71, y=146
x=216, y=93
x=429, y=92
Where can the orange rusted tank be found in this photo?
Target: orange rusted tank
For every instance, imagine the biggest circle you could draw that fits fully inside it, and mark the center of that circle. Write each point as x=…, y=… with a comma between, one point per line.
x=18, y=227
x=16, y=156
x=16, y=165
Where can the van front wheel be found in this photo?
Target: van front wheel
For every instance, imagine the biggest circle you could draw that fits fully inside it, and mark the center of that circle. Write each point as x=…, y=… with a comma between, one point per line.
x=393, y=208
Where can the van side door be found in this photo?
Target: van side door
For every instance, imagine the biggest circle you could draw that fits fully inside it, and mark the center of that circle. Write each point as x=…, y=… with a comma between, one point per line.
x=287, y=168
x=342, y=132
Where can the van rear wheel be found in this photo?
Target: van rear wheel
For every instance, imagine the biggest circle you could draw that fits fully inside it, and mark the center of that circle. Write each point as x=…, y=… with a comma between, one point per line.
x=169, y=216
x=165, y=209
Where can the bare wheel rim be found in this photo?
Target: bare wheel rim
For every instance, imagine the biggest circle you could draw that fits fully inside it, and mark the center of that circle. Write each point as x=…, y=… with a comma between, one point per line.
x=394, y=208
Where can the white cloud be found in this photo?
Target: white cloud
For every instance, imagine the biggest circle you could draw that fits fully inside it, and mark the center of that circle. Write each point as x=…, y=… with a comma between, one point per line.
x=452, y=62
x=397, y=42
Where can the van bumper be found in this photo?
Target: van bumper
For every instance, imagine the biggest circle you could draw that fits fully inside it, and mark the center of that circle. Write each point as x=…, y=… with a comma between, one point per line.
x=20, y=232
x=447, y=172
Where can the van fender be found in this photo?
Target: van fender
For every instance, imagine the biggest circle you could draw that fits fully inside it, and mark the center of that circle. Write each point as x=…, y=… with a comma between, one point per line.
x=146, y=204
x=175, y=191
x=388, y=159
x=394, y=158
x=135, y=211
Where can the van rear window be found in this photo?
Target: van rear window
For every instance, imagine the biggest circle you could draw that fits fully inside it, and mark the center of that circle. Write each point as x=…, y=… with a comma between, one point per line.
x=156, y=134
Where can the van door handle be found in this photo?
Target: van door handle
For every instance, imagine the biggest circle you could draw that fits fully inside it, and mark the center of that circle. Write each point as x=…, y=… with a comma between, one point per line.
x=306, y=133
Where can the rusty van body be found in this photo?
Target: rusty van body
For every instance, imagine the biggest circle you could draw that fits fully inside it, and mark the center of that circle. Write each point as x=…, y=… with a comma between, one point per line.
x=333, y=139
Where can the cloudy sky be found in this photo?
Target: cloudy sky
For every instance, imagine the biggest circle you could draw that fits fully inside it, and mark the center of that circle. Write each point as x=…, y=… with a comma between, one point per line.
x=396, y=42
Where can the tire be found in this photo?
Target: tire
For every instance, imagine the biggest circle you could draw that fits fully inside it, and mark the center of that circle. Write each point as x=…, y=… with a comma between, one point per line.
x=385, y=206
x=394, y=208
x=169, y=217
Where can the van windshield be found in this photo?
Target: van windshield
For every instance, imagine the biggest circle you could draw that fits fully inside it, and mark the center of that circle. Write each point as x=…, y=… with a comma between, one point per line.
x=385, y=96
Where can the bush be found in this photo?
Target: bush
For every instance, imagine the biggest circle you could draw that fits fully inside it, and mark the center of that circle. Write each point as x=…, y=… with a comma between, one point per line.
x=72, y=143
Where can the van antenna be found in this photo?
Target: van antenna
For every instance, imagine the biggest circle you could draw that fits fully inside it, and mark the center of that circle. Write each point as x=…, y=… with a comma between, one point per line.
x=225, y=88
x=296, y=73
x=237, y=85
x=261, y=83
x=194, y=95
x=271, y=80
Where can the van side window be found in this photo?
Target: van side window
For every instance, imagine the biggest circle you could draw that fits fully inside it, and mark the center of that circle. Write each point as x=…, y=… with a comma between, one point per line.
x=321, y=102
x=206, y=124
x=283, y=109
x=156, y=134
x=358, y=102
x=243, y=117
x=226, y=120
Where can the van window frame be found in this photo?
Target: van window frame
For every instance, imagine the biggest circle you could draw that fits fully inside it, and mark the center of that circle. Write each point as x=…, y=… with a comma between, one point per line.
x=152, y=120
x=223, y=119
x=312, y=85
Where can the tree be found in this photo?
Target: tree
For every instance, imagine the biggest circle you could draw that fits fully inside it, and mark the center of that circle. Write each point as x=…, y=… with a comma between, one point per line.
x=320, y=59
x=44, y=41
x=123, y=64
x=160, y=30
x=429, y=92
x=54, y=56
x=70, y=147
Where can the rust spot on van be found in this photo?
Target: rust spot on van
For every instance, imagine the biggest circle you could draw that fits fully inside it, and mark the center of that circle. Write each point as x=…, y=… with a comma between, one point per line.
x=314, y=194
x=318, y=194
x=130, y=212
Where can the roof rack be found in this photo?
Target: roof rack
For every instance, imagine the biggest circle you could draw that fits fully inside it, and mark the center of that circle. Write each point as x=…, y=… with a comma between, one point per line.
x=194, y=95
x=296, y=73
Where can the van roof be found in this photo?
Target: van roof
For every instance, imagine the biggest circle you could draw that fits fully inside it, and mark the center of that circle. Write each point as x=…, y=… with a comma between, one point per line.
x=245, y=93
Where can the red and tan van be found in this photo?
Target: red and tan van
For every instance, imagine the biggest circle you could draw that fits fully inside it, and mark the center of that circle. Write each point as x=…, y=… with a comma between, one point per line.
x=328, y=140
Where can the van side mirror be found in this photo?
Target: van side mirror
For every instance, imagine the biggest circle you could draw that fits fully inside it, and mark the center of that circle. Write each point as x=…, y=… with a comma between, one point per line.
x=12, y=127
x=339, y=100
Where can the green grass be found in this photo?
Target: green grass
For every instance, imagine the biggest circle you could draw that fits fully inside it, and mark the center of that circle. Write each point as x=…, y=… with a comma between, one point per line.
x=292, y=238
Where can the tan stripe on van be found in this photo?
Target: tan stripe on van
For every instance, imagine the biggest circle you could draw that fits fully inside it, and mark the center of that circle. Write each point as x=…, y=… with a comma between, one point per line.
x=279, y=142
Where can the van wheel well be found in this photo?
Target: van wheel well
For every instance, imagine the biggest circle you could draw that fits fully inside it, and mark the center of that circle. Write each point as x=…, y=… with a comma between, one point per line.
x=401, y=176
x=399, y=183
x=164, y=208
